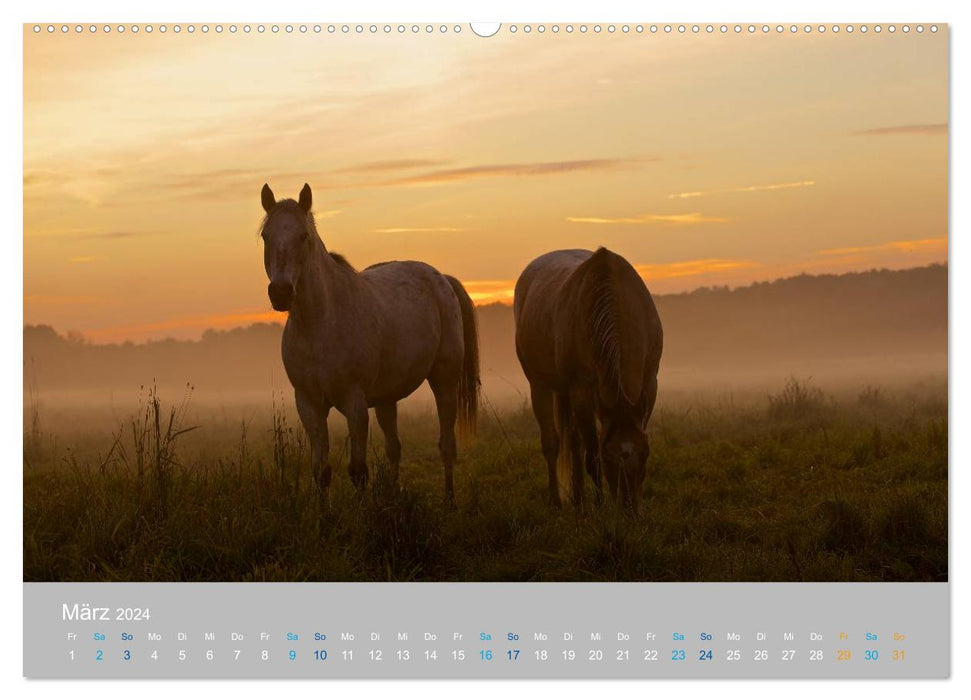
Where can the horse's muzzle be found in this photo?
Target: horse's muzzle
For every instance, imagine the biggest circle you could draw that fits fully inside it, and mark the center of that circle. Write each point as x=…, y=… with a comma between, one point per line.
x=281, y=295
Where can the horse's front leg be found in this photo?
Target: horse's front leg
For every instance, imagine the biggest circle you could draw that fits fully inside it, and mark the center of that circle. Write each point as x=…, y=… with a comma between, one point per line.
x=356, y=413
x=388, y=420
x=313, y=416
x=587, y=426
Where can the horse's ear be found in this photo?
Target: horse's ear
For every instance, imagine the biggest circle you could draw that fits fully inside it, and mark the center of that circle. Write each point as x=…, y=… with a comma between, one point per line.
x=269, y=201
x=306, y=198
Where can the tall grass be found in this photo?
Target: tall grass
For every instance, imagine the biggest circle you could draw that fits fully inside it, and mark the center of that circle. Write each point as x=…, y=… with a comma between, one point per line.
x=288, y=450
x=32, y=428
x=151, y=453
x=797, y=399
x=829, y=488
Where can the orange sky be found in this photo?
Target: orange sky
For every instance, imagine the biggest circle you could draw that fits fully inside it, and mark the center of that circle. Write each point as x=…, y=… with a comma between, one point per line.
x=702, y=159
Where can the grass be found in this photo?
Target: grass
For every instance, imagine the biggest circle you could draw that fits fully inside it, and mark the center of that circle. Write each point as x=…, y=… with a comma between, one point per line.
x=797, y=485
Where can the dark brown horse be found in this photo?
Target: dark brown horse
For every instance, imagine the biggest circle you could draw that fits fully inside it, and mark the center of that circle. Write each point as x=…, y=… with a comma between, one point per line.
x=589, y=339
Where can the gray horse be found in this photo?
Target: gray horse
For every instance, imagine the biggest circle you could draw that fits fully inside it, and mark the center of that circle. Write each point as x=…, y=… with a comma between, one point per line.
x=355, y=340
x=589, y=339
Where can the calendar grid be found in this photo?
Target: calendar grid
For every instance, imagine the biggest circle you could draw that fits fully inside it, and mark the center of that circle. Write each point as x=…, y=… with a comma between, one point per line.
x=476, y=630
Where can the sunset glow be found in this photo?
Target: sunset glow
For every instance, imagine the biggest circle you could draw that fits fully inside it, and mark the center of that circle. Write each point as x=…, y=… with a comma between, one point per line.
x=698, y=158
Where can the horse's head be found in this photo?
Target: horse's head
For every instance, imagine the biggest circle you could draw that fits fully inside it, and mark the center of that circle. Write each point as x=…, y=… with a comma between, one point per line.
x=288, y=236
x=624, y=451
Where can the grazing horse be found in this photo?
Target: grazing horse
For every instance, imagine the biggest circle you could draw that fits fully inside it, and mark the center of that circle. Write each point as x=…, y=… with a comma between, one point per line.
x=355, y=340
x=589, y=339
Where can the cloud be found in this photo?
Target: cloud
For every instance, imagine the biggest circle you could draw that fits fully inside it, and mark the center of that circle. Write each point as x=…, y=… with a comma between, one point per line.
x=114, y=235
x=436, y=229
x=40, y=178
x=231, y=183
x=925, y=129
x=690, y=268
x=386, y=165
x=244, y=183
x=213, y=183
x=87, y=234
x=503, y=290
x=749, y=188
x=678, y=219
x=327, y=214
x=444, y=176
x=920, y=245
x=54, y=300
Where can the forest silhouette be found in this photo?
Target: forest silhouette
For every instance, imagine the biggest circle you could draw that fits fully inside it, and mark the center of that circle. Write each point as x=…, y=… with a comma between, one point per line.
x=897, y=318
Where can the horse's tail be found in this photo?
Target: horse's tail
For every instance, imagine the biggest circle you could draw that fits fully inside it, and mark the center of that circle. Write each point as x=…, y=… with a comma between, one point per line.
x=469, y=381
x=563, y=417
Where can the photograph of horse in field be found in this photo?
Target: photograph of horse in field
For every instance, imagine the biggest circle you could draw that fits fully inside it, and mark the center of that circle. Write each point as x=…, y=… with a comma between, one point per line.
x=608, y=306
x=354, y=340
x=589, y=339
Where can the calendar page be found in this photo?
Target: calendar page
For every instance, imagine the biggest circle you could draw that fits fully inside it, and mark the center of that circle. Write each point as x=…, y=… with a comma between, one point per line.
x=449, y=350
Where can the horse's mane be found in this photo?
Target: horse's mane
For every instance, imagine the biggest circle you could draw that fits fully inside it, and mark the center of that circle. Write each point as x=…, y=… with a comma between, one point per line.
x=603, y=319
x=606, y=323
x=341, y=260
x=599, y=329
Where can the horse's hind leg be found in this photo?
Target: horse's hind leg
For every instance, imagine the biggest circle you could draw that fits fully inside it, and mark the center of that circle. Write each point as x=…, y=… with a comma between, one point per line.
x=542, y=401
x=446, y=401
x=388, y=420
x=313, y=416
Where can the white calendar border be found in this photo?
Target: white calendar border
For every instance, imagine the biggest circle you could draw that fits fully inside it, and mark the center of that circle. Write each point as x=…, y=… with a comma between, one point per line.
x=830, y=11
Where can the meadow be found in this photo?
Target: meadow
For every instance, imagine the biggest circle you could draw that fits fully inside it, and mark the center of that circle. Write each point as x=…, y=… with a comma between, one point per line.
x=790, y=484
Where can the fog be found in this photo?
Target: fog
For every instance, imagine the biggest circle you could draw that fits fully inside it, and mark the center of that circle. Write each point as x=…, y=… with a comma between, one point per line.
x=841, y=332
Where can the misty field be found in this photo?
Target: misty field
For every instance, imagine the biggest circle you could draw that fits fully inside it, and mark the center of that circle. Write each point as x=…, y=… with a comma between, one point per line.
x=786, y=485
